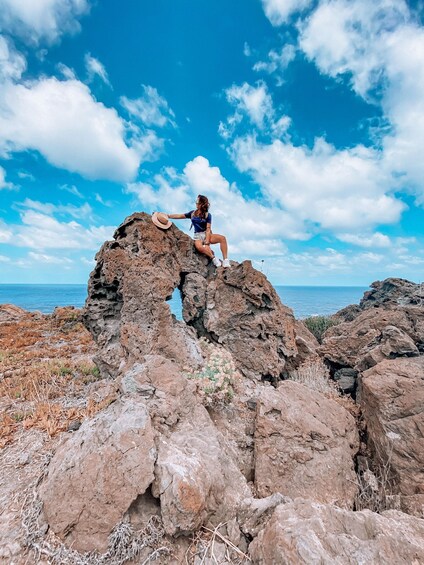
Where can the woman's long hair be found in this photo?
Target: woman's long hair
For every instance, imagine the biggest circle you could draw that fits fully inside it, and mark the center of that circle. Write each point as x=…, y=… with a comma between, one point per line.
x=203, y=207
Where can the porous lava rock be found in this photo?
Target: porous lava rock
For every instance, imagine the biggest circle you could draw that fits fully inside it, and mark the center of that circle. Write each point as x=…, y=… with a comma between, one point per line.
x=393, y=292
x=304, y=446
x=305, y=532
x=374, y=335
x=136, y=274
x=388, y=323
x=392, y=401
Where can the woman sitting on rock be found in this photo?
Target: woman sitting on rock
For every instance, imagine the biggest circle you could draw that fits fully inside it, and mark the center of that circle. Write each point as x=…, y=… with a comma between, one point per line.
x=201, y=220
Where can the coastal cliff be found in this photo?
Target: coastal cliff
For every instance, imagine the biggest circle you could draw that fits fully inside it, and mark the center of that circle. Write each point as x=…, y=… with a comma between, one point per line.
x=230, y=436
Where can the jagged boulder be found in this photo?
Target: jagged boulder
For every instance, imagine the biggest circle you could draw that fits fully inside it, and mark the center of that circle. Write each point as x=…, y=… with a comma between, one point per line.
x=196, y=479
x=392, y=401
x=127, y=314
x=306, y=532
x=374, y=335
x=96, y=474
x=393, y=292
x=156, y=449
x=304, y=446
x=12, y=313
x=387, y=323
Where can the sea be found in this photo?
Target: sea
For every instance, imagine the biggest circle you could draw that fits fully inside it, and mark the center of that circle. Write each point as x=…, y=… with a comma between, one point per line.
x=304, y=300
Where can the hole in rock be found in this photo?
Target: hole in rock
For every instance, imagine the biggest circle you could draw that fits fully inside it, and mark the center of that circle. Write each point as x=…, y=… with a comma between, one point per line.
x=176, y=304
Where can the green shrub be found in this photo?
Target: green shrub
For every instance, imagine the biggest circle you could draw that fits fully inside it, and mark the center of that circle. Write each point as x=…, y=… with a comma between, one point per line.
x=216, y=380
x=319, y=324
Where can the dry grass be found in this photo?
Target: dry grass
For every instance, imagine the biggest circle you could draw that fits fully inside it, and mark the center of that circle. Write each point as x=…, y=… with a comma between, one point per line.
x=316, y=376
x=124, y=543
x=375, y=485
x=45, y=368
x=204, y=545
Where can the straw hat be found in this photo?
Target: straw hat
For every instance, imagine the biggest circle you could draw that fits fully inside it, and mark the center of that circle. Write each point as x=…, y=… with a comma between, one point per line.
x=161, y=220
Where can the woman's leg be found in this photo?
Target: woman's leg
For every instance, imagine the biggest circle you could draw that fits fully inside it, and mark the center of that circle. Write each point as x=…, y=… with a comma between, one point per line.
x=221, y=239
x=205, y=249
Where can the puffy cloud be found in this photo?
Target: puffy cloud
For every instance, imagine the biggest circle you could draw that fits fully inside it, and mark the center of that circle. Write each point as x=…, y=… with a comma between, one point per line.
x=95, y=68
x=376, y=239
x=255, y=102
x=151, y=108
x=279, y=11
x=336, y=189
x=252, y=228
x=84, y=211
x=277, y=62
x=360, y=31
x=12, y=63
x=380, y=48
x=5, y=232
x=35, y=20
x=63, y=121
x=4, y=259
x=3, y=183
x=40, y=231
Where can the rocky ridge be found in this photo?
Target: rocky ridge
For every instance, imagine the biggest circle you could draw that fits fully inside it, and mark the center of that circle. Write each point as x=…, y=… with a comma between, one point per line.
x=205, y=433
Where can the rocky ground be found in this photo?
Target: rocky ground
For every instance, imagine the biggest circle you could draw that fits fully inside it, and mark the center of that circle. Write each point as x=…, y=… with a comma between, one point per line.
x=233, y=436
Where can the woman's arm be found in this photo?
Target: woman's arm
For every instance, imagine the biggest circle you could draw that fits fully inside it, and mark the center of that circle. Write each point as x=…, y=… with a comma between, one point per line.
x=176, y=216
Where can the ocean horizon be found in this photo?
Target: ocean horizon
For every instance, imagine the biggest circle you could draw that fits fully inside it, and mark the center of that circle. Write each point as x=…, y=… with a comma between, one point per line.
x=304, y=300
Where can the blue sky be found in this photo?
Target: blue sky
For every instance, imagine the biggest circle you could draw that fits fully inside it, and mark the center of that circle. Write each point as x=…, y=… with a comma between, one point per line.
x=302, y=120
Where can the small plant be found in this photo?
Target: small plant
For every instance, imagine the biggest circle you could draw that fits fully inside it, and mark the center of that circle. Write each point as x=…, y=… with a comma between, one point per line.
x=63, y=371
x=316, y=376
x=375, y=488
x=89, y=370
x=317, y=325
x=216, y=380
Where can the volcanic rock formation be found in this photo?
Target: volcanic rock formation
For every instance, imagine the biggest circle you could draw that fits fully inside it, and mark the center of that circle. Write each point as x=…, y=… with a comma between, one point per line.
x=270, y=470
x=127, y=313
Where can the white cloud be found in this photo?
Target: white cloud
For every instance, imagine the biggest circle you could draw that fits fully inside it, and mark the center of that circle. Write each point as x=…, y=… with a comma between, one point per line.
x=376, y=239
x=252, y=228
x=255, y=102
x=338, y=190
x=3, y=183
x=72, y=189
x=63, y=121
x=277, y=62
x=79, y=212
x=151, y=108
x=357, y=43
x=4, y=259
x=246, y=49
x=108, y=203
x=12, y=63
x=5, y=232
x=49, y=259
x=380, y=48
x=26, y=176
x=66, y=72
x=35, y=20
x=279, y=11
x=40, y=231
x=95, y=68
